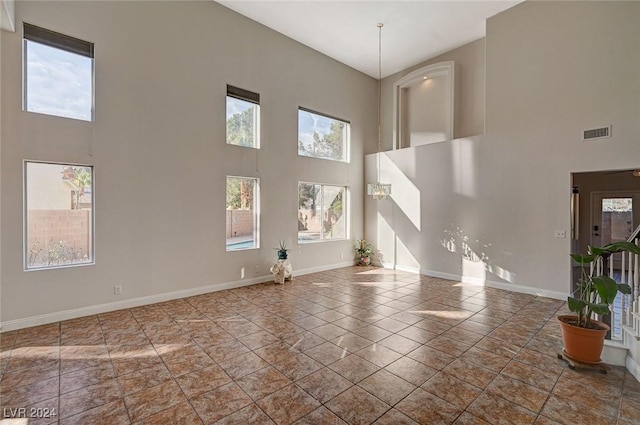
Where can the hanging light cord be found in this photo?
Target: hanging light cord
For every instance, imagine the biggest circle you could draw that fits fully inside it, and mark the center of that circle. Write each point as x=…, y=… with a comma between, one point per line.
x=380, y=25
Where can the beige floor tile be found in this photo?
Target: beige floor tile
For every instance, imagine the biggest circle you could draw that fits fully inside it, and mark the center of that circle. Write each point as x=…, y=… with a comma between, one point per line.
x=288, y=404
x=324, y=384
x=425, y=408
x=452, y=389
x=263, y=382
x=387, y=387
x=356, y=406
x=359, y=340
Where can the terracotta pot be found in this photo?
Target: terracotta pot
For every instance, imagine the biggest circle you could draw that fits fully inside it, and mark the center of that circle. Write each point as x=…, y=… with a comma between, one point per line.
x=581, y=344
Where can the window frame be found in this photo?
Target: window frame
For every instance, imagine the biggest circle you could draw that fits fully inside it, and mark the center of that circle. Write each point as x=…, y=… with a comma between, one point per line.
x=250, y=97
x=346, y=143
x=55, y=40
x=345, y=213
x=25, y=223
x=256, y=212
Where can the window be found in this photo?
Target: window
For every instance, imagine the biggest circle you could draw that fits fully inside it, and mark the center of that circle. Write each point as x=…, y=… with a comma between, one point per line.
x=321, y=136
x=242, y=213
x=58, y=215
x=322, y=212
x=243, y=117
x=58, y=74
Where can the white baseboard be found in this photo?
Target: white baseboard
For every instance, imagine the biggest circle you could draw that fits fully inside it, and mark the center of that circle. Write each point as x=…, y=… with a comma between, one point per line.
x=44, y=319
x=409, y=269
x=614, y=353
x=310, y=270
x=498, y=285
x=633, y=367
x=562, y=296
x=478, y=281
x=75, y=313
x=450, y=276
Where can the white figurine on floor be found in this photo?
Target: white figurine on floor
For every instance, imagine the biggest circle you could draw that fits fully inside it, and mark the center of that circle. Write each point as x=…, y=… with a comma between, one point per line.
x=282, y=270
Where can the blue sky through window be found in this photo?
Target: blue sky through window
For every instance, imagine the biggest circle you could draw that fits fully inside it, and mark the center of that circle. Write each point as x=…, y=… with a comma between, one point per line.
x=237, y=106
x=58, y=82
x=309, y=123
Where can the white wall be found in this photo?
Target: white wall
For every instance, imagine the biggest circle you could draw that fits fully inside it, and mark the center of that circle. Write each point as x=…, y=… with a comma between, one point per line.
x=427, y=107
x=552, y=69
x=159, y=151
x=1, y=126
x=469, y=92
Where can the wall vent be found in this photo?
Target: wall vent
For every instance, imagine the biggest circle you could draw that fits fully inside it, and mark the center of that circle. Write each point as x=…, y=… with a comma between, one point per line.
x=596, y=133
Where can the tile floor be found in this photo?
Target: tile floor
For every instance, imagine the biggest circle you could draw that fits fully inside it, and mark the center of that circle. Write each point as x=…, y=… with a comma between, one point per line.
x=354, y=345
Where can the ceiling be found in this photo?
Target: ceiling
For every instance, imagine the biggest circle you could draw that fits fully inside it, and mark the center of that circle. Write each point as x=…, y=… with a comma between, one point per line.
x=347, y=31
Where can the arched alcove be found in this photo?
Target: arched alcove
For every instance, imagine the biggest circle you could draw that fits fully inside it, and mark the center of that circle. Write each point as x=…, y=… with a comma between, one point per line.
x=423, y=106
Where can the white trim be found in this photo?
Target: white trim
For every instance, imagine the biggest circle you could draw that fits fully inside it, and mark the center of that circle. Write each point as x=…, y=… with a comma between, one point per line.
x=447, y=276
x=614, y=353
x=75, y=313
x=556, y=295
x=7, y=15
x=498, y=285
x=633, y=367
x=479, y=281
x=310, y=270
x=409, y=269
x=119, y=305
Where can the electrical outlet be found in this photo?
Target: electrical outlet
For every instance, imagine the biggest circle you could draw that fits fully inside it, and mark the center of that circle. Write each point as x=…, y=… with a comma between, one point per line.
x=117, y=290
x=560, y=234
x=257, y=268
x=341, y=256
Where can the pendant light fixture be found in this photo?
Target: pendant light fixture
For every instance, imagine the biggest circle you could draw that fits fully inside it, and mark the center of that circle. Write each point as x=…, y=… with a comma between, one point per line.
x=379, y=190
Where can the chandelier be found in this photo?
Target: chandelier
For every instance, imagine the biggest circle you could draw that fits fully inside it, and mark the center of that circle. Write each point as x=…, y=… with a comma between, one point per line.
x=379, y=190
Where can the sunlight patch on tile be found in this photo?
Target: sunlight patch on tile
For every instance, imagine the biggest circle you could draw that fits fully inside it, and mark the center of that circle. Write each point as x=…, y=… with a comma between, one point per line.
x=444, y=314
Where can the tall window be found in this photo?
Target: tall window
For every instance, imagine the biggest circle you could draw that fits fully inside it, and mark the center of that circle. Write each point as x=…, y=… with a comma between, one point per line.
x=243, y=117
x=242, y=213
x=58, y=74
x=321, y=136
x=58, y=215
x=322, y=212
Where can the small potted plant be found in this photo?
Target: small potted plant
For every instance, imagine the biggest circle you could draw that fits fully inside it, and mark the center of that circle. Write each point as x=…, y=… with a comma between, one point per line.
x=282, y=251
x=364, y=251
x=582, y=335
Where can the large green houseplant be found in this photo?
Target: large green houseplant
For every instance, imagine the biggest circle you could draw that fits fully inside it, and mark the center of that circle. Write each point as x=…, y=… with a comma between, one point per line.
x=583, y=335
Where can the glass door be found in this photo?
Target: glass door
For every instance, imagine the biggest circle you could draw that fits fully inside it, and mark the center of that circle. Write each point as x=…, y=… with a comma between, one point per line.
x=614, y=216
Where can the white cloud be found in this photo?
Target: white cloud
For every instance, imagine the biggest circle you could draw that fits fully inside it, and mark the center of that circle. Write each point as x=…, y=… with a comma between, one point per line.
x=59, y=82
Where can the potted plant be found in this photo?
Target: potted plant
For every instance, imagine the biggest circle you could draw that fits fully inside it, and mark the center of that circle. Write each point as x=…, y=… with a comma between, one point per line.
x=582, y=335
x=282, y=251
x=364, y=251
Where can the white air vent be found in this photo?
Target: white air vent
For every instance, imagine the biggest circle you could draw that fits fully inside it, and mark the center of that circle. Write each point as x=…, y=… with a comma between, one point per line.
x=596, y=133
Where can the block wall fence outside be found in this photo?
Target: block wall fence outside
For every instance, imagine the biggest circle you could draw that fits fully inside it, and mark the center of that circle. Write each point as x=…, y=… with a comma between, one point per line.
x=71, y=228
x=239, y=223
